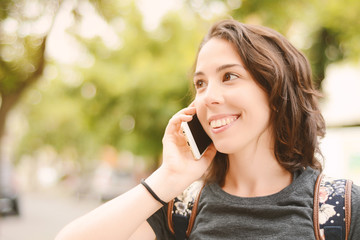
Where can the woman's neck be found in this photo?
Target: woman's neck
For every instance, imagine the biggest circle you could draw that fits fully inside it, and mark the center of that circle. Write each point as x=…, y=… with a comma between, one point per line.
x=256, y=173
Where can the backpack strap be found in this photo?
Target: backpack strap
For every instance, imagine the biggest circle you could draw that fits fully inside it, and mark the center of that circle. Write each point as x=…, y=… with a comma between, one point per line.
x=332, y=208
x=182, y=211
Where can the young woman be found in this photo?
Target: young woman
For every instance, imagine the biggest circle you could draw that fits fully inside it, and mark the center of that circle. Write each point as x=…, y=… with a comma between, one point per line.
x=255, y=99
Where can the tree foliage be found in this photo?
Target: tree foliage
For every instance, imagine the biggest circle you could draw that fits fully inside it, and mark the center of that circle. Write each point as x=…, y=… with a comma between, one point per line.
x=22, y=48
x=329, y=28
x=124, y=99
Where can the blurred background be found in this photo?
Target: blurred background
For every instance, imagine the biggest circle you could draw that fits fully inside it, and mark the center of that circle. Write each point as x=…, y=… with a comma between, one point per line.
x=88, y=86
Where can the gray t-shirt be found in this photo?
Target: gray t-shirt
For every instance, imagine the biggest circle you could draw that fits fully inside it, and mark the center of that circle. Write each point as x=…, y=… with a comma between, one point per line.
x=284, y=215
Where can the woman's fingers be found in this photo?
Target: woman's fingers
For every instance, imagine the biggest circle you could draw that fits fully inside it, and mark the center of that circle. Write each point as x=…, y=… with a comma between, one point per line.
x=189, y=110
x=184, y=115
x=180, y=118
x=192, y=104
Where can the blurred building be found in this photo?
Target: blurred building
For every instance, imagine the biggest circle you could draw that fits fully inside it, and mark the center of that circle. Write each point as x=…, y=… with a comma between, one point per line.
x=341, y=145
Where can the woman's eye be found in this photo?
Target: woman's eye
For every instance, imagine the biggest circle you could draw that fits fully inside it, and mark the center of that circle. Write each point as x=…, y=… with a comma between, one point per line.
x=199, y=84
x=230, y=76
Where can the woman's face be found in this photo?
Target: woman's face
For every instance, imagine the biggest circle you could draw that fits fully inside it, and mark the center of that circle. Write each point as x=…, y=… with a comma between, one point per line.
x=231, y=106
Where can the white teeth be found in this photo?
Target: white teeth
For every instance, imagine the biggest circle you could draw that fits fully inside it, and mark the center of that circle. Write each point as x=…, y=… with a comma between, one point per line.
x=222, y=122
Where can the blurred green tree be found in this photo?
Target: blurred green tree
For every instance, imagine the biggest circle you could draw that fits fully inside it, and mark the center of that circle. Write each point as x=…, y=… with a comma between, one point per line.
x=22, y=49
x=328, y=29
x=125, y=97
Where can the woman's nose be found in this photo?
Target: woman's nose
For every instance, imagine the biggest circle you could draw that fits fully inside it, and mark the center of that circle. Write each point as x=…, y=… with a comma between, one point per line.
x=213, y=95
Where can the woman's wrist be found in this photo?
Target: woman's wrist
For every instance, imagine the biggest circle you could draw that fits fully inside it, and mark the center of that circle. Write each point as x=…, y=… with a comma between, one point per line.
x=153, y=194
x=166, y=185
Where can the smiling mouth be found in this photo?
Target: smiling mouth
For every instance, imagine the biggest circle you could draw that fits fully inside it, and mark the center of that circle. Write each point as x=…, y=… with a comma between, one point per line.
x=223, y=122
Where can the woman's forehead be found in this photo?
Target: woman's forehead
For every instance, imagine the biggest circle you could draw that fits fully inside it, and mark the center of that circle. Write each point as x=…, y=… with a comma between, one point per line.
x=216, y=52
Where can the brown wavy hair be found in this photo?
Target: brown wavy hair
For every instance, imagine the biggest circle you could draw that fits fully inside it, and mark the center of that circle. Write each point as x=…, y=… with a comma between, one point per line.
x=285, y=75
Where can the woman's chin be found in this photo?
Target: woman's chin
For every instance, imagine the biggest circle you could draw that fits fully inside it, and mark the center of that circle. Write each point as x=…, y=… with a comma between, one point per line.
x=223, y=148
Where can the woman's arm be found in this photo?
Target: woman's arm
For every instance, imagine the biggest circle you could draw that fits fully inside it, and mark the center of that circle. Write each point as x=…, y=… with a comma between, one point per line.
x=144, y=232
x=121, y=217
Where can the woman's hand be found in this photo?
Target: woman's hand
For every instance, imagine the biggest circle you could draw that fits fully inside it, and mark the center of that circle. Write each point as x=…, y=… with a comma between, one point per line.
x=178, y=159
x=131, y=209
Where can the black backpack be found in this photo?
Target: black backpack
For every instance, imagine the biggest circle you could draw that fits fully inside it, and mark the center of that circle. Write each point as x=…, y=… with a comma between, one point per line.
x=330, y=196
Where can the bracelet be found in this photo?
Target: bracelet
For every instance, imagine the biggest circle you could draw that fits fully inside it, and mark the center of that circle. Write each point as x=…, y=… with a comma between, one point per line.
x=152, y=192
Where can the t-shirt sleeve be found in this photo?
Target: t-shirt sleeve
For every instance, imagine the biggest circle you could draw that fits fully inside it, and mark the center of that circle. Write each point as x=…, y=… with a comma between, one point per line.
x=355, y=213
x=158, y=222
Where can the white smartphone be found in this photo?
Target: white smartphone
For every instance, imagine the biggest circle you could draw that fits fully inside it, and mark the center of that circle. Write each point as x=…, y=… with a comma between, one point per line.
x=196, y=137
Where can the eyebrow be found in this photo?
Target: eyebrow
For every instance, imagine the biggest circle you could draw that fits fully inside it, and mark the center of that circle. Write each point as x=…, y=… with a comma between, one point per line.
x=220, y=68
